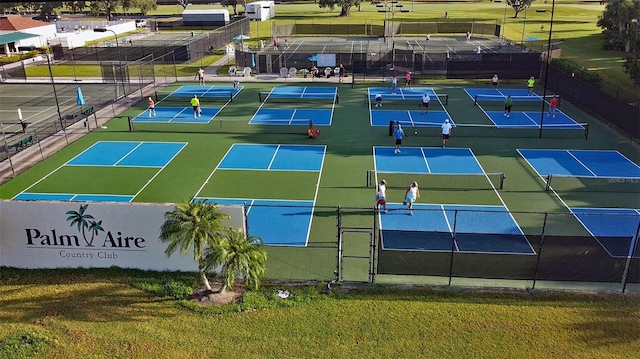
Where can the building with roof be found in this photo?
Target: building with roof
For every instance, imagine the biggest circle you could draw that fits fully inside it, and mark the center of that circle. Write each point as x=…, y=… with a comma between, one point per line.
x=23, y=32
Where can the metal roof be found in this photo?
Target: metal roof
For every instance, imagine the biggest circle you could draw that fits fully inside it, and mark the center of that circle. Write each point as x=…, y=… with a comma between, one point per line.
x=14, y=36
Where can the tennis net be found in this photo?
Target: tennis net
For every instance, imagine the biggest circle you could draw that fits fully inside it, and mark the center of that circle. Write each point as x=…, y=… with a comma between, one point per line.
x=407, y=103
x=182, y=99
x=526, y=103
x=560, y=183
x=310, y=97
x=452, y=181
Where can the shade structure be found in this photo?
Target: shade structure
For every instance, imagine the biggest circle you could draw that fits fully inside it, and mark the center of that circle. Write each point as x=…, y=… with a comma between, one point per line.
x=79, y=97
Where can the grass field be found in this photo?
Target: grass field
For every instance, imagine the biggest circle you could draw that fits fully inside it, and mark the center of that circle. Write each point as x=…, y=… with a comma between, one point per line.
x=76, y=313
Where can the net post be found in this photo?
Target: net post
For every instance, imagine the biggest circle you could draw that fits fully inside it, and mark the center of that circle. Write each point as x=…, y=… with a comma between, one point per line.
x=446, y=100
x=130, y=123
x=475, y=100
x=337, y=98
x=586, y=131
x=368, y=174
x=259, y=96
x=366, y=98
x=548, y=182
x=230, y=96
x=155, y=94
x=501, y=180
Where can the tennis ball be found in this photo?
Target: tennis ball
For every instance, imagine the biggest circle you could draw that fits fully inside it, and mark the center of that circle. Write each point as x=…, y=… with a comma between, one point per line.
x=415, y=133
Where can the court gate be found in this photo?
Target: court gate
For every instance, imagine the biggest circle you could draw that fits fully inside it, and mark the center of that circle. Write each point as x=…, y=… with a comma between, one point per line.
x=356, y=245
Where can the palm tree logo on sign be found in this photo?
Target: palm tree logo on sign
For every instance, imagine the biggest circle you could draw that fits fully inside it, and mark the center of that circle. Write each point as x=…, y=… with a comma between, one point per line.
x=85, y=222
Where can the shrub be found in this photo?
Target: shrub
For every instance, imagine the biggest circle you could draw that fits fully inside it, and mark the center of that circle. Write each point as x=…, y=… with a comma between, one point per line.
x=571, y=67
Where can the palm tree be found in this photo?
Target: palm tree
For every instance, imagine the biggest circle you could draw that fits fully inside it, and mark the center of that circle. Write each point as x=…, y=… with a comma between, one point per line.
x=193, y=224
x=239, y=256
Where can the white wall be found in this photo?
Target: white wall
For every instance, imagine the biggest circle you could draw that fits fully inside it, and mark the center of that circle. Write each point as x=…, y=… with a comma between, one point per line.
x=72, y=39
x=36, y=234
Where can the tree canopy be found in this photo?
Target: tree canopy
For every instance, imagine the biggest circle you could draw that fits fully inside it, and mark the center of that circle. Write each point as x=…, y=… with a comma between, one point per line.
x=345, y=5
x=519, y=5
x=620, y=25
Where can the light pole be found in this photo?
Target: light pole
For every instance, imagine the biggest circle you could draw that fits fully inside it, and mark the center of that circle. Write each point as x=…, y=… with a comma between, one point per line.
x=391, y=7
x=524, y=24
x=119, y=58
x=546, y=70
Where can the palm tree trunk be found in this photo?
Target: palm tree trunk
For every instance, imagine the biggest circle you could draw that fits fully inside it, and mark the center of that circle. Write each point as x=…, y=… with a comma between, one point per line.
x=203, y=276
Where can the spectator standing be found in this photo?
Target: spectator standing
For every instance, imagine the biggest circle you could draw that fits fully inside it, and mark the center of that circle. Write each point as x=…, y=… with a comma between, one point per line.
x=342, y=72
x=200, y=75
x=494, y=82
x=407, y=80
x=446, y=132
x=398, y=135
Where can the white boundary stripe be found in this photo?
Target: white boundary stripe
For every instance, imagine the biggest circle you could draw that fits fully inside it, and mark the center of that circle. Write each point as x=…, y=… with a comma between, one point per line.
x=127, y=154
x=157, y=173
x=424, y=157
x=293, y=115
x=273, y=158
x=212, y=172
x=315, y=196
x=581, y=163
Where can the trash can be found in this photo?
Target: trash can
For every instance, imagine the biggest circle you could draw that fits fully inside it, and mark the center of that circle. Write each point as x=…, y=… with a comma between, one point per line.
x=392, y=126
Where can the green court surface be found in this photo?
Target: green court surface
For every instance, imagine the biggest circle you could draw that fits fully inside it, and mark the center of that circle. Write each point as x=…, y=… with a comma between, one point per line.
x=342, y=180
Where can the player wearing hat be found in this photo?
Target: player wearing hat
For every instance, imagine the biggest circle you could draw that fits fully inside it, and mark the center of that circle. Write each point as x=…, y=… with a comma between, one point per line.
x=446, y=132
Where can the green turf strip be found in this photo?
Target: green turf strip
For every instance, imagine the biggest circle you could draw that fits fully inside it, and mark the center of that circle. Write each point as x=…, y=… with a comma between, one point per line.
x=95, y=180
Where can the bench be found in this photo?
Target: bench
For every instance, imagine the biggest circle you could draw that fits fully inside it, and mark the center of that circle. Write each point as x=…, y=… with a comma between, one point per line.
x=23, y=143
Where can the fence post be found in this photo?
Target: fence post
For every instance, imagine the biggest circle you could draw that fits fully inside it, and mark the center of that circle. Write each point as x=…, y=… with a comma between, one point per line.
x=535, y=273
x=340, y=239
x=633, y=248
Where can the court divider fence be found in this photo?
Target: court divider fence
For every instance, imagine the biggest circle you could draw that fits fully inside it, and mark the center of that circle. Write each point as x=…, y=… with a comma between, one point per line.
x=546, y=251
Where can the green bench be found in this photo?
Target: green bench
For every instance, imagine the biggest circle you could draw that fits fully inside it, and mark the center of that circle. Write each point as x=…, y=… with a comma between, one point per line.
x=23, y=143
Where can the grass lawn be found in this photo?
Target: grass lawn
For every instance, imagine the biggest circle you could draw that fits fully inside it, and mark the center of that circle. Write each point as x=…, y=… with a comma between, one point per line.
x=574, y=25
x=106, y=313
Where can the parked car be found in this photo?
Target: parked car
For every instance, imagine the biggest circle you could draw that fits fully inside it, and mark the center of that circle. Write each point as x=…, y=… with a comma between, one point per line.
x=141, y=23
x=50, y=18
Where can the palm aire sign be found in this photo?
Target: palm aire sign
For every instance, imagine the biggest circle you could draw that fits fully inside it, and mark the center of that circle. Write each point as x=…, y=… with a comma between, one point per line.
x=90, y=235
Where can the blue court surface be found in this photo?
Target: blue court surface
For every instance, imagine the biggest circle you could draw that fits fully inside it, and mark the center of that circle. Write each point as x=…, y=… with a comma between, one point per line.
x=414, y=93
x=178, y=115
x=407, y=118
x=113, y=154
x=206, y=91
x=290, y=116
x=533, y=119
x=580, y=163
x=426, y=160
x=302, y=92
x=273, y=157
x=276, y=222
x=478, y=229
x=615, y=229
x=521, y=94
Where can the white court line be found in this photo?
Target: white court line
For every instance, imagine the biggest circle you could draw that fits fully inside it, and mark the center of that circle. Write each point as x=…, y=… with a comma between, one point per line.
x=273, y=158
x=157, y=173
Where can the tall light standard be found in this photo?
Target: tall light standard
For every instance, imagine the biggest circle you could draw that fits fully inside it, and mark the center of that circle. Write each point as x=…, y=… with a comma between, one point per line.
x=391, y=7
x=119, y=58
x=546, y=70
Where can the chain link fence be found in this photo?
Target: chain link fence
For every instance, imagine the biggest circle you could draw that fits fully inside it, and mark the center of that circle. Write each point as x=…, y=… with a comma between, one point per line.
x=514, y=249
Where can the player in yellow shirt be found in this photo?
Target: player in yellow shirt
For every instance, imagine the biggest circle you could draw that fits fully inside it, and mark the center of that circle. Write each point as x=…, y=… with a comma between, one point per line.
x=530, y=83
x=195, y=103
